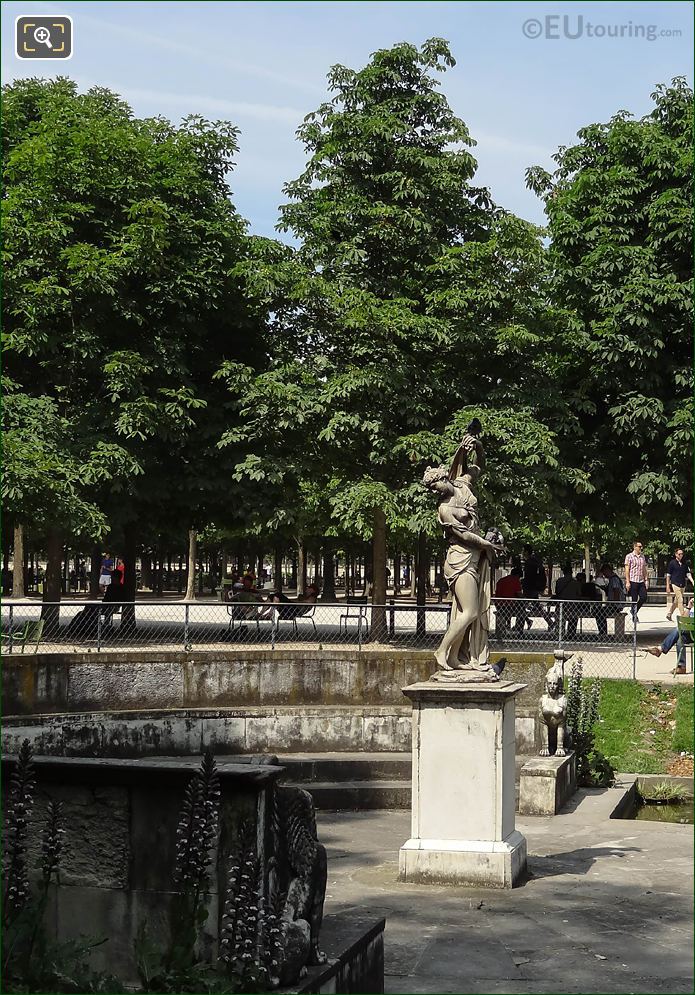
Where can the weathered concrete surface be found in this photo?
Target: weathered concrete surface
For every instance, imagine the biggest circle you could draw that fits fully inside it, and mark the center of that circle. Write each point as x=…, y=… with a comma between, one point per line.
x=137, y=703
x=607, y=907
x=70, y=682
x=120, y=819
x=546, y=783
x=186, y=732
x=354, y=945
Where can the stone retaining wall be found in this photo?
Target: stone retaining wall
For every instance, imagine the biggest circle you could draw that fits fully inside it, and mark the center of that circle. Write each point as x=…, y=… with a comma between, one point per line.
x=140, y=703
x=120, y=819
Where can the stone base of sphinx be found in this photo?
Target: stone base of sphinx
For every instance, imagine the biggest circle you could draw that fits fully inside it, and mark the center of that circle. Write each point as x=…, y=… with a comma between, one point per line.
x=470, y=863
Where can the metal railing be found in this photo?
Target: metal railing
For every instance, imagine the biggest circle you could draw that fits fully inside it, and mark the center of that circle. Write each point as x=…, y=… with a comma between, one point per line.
x=605, y=633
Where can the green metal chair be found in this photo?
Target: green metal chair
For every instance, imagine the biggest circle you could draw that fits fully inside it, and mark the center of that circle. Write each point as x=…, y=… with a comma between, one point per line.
x=686, y=625
x=30, y=632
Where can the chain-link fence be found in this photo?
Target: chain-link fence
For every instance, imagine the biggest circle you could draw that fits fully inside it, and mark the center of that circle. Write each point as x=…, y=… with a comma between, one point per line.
x=605, y=632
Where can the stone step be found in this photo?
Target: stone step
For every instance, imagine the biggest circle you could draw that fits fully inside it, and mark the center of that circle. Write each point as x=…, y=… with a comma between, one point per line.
x=356, y=796
x=339, y=767
x=352, y=782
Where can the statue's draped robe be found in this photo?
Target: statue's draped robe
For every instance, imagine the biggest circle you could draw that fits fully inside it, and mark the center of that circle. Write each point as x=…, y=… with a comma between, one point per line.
x=464, y=559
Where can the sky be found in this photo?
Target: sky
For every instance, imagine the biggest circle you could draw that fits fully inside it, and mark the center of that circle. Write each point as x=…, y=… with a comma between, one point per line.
x=524, y=83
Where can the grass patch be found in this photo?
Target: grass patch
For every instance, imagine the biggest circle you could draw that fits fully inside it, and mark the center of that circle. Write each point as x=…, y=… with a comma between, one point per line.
x=644, y=727
x=683, y=737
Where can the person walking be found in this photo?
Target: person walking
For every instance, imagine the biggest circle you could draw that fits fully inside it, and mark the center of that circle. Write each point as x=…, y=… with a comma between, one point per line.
x=636, y=580
x=677, y=574
x=533, y=583
x=105, y=572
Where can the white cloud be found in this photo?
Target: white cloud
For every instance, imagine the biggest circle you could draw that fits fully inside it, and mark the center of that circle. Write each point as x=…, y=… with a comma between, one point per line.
x=194, y=103
x=209, y=56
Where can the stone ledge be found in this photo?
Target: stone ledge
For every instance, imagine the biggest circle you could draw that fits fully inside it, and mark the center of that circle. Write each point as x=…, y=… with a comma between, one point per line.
x=546, y=783
x=164, y=770
x=354, y=945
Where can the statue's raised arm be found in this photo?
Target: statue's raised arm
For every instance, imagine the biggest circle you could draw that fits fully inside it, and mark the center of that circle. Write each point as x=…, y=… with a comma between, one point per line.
x=470, y=446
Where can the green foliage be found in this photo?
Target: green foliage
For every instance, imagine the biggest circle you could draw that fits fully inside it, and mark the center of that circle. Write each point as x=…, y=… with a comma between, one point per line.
x=399, y=315
x=196, y=837
x=119, y=242
x=167, y=370
x=619, y=210
x=683, y=736
x=635, y=731
x=250, y=935
x=583, y=698
x=663, y=791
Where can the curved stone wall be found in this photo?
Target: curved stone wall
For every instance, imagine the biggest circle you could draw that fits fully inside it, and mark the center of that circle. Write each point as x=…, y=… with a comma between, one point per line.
x=175, y=703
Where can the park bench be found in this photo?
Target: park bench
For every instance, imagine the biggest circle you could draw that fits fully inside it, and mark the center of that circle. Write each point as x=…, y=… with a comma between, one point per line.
x=242, y=612
x=355, y=611
x=291, y=612
x=685, y=631
x=30, y=632
x=579, y=611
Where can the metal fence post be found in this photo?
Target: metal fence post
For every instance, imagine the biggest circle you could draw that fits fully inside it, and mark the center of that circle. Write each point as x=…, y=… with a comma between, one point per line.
x=560, y=626
x=359, y=629
x=186, y=628
x=634, y=645
x=11, y=639
x=99, y=623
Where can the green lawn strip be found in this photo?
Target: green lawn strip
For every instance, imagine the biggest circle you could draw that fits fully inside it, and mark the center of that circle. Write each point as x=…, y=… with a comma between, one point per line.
x=636, y=732
x=683, y=737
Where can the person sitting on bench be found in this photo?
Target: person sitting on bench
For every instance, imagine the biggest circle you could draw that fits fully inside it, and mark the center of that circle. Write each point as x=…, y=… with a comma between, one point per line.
x=674, y=637
x=284, y=609
x=248, y=598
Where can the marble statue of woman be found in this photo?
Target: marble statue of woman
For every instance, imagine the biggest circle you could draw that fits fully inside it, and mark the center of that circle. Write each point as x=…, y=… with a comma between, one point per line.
x=464, y=646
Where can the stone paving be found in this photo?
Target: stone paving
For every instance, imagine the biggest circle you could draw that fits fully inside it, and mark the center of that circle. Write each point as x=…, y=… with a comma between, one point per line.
x=607, y=907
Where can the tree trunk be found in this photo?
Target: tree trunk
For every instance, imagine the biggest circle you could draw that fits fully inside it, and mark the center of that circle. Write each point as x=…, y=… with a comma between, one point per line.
x=318, y=578
x=379, y=630
x=146, y=575
x=396, y=573
x=94, y=571
x=423, y=566
x=223, y=565
x=259, y=571
x=65, y=570
x=50, y=613
x=329, y=594
x=277, y=568
x=587, y=560
x=190, y=579
x=127, y=626
x=6, y=562
x=179, y=577
x=301, y=567
x=18, y=560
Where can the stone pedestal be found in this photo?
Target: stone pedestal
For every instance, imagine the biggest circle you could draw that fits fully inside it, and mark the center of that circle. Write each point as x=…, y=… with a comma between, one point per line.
x=463, y=787
x=546, y=783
